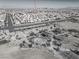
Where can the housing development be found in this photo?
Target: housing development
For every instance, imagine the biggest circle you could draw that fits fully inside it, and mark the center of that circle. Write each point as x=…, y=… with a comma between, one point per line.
x=41, y=33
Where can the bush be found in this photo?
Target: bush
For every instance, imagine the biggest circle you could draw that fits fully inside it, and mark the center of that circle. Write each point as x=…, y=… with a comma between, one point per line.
x=3, y=42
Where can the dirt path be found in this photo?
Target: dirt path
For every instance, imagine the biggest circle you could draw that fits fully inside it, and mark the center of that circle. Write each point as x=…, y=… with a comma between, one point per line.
x=5, y=51
x=15, y=53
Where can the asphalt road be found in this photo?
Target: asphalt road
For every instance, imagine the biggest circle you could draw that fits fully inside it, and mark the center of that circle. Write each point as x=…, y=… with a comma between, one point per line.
x=8, y=21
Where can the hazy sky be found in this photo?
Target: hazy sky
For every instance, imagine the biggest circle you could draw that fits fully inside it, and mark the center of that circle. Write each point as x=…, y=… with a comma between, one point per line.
x=39, y=3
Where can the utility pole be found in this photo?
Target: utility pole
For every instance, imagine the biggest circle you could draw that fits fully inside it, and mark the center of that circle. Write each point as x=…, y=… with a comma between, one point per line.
x=35, y=4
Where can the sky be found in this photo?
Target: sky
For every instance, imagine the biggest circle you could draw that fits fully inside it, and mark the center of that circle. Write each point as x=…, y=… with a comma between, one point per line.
x=39, y=3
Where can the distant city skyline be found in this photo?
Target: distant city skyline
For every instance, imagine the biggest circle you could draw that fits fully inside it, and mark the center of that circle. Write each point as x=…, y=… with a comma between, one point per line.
x=39, y=3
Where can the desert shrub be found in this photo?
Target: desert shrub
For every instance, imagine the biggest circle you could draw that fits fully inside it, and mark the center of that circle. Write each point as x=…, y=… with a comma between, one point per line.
x=4, y=41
